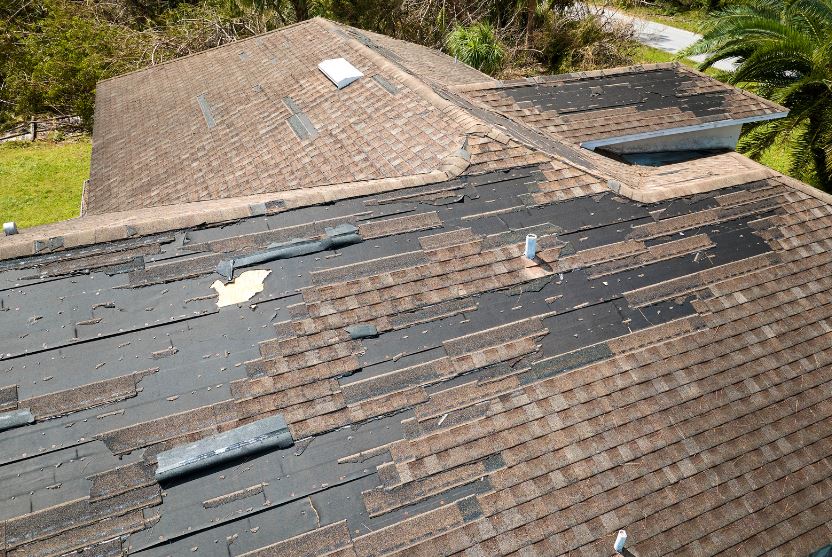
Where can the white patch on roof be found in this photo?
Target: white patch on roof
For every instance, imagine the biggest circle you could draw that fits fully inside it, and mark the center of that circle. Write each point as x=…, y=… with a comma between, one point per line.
x=340, y=72
x=241, y=289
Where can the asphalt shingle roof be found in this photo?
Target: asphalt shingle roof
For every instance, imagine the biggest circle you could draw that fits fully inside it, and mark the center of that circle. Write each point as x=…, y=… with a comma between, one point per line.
x=661, y=366
x=621, y=102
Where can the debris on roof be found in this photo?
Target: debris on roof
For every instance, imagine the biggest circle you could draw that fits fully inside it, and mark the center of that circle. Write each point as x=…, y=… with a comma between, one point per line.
x=407, y=381
x=241, y=289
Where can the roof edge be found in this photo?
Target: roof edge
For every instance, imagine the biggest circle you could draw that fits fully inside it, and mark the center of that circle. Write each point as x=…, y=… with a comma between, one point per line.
x=595, y=143
x=693, y=187
x=109, y=227
x=226, y=45
x=744, y=92
x=796, y=184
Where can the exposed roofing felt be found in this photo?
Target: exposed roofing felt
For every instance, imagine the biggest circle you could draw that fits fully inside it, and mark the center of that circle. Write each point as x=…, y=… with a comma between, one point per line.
x=662, y=367
x=623, y=102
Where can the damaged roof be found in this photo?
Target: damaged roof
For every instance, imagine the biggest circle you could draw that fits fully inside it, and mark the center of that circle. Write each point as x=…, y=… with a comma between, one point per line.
x=387, y=374
x=598, y=108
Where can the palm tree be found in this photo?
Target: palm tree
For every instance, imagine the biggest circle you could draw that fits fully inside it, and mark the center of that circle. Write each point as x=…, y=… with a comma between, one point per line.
x=784, y=51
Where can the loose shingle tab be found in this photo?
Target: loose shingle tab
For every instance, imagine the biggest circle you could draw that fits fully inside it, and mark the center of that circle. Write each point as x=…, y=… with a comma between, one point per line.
x=268, y=433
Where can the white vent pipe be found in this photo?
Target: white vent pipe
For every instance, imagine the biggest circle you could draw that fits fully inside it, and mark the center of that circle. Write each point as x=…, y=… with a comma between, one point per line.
x=531, y=246
x=620, y=540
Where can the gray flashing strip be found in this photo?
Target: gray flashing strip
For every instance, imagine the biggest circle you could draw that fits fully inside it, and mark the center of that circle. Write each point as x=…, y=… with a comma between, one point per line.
x=595, y=143
x=268, y=433
x=206, y=110
x=389, y=87
x=362, y=330
x=17, y=418
x=302, y=126
x=291, y=104
x=341, y=235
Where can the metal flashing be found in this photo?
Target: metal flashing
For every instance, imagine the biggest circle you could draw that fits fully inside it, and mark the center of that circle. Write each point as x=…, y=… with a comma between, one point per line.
x=362, y=330
x=17, y=418
x=206, y=110
x=302, y=126
x=595, y=143
x=291, y=105
x=341, y=235
x=268, y=433
x=386, y=85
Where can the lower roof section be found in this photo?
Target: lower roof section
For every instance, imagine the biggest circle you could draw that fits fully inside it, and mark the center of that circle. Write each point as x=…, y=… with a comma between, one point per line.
x=661, y=367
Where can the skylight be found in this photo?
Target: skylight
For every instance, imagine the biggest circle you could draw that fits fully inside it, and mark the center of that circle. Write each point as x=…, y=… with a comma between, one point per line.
x=340, y=72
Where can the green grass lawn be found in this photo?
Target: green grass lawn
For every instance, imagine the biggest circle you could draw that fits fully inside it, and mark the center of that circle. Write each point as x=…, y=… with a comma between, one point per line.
x=41, y=182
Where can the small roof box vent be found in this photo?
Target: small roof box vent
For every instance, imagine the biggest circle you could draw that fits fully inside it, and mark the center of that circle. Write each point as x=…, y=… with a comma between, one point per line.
x=340, y=72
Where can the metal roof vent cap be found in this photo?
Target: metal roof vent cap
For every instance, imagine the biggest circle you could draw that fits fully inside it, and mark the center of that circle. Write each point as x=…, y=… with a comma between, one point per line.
x=340, y=72
x=620, y=541
x=531, y=246
x=9, y=228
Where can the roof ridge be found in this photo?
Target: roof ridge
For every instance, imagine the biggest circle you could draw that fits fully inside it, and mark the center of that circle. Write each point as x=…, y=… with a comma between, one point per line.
x=556, y=78
x=213, y=48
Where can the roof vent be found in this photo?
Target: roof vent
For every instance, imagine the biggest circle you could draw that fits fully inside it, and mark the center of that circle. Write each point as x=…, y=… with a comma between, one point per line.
x=340, y=72
x=531, y=246
x=620, y=540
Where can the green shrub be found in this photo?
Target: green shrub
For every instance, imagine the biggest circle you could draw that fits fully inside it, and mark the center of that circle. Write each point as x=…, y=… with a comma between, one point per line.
x=478, y=46
x=583, y=42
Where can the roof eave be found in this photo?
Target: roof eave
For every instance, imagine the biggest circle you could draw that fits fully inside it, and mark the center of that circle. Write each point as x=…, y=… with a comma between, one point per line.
x=595, y=143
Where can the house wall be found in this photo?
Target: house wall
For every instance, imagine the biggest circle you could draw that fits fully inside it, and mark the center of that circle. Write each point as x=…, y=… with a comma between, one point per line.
x=716, y=138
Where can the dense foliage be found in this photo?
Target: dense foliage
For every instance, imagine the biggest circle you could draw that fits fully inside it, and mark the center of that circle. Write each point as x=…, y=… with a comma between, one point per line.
x=784, y=49
x=675, y=6
x=55, y=51
x=478, y=46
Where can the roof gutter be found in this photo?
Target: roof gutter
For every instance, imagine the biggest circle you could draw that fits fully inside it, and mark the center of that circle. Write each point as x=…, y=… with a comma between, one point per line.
x=595, y=143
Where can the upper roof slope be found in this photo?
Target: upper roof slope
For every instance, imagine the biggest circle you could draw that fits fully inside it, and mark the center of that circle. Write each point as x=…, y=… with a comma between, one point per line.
x=219, y=124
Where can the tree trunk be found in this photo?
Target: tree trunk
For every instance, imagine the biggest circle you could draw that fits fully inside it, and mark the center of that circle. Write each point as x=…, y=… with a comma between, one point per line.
x=531, y=7
x=301, y=9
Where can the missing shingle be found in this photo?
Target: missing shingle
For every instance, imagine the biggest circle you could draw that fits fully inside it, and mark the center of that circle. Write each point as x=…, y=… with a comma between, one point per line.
x=389, y=87
x=206, y=111
x=302, y=126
